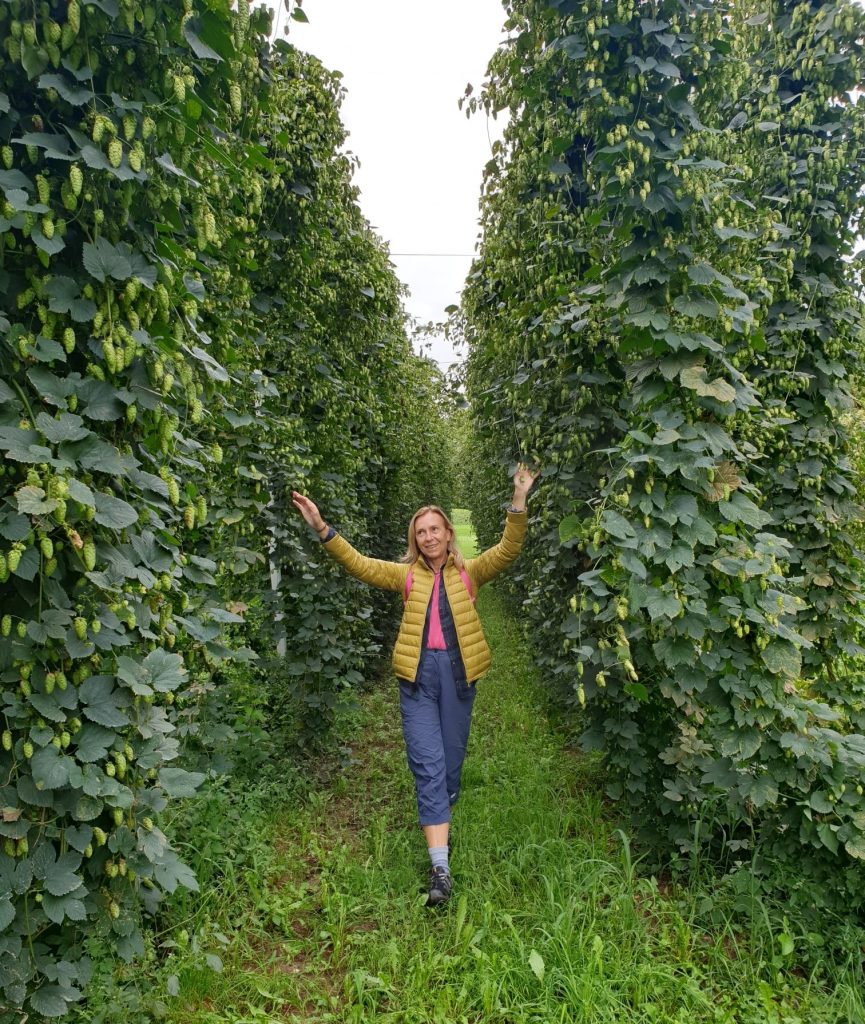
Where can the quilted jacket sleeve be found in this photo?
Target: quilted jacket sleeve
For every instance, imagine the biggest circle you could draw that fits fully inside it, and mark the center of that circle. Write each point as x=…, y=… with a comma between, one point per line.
x=374, y=571
x=492, y=561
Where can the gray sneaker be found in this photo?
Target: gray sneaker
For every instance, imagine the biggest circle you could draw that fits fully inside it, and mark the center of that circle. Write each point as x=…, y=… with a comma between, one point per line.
x=440, y=884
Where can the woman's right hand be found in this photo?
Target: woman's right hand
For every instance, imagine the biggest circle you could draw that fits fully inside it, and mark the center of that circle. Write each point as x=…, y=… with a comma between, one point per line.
x=309, y=510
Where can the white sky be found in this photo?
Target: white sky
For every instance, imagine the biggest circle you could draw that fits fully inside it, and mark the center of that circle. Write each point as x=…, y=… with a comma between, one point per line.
x=405, y=64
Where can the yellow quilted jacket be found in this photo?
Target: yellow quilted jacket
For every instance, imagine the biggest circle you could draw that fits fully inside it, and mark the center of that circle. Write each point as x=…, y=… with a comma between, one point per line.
x=393, y=575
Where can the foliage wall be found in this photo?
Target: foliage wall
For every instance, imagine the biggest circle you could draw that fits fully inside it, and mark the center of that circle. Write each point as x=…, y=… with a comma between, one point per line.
x=663, y=315
x=197, y=320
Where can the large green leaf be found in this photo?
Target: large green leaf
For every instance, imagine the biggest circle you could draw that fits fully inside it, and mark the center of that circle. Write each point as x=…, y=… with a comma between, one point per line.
x=65, y=427
x=7, y=911
x=192, y=33
x=569, y=528
x=660, y=604
x=177, y=782
x=93, y=742
x=166, y=670
x=114, y=512
x=763, y=791
x=740, y=509
x=23, y=446
x=102, y=703
x=52, y=1000
x=50, y=768
x=64, y=297
x=171, y=872
x=695, y=378
x=782, y=657
x=103, y=260
x=74, y=94
x=697, y=306
x=855, y=846
x=616, y=525
x=60, y=908
x=32, y=501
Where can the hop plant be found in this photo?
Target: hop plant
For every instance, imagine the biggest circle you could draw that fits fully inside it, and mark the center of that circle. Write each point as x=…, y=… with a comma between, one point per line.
x=115, y=152
x=235, y=98
x=101, y=124
x=88, y=555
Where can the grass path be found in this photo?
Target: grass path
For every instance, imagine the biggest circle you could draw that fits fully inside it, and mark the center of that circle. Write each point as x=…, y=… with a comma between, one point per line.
x=550, y=919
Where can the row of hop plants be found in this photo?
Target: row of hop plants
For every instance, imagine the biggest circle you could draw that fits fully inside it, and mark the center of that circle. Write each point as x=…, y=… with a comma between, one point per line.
x=665, y=315
x=197, y=320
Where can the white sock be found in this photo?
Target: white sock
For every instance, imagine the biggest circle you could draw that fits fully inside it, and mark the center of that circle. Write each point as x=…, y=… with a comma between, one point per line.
x=439, y=857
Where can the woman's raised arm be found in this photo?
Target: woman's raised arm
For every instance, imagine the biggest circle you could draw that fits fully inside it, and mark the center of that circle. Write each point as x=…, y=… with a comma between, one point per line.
x=309, y=510
x=374, y=571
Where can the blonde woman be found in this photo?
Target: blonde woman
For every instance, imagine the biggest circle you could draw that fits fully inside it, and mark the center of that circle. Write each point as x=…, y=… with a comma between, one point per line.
x=440, y=650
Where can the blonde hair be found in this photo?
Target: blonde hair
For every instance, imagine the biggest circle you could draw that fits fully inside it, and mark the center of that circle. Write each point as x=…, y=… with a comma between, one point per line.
x=413, y=553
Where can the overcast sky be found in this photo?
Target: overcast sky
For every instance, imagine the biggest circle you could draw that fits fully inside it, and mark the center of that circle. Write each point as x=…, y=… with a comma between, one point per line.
x=405, y=64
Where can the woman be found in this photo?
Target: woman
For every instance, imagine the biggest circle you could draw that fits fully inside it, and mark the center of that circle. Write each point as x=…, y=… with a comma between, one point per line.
x=440, y=651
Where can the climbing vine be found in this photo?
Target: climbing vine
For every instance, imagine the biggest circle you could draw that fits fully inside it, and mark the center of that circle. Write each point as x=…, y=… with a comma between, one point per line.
x=663, y=315
x=198, y=320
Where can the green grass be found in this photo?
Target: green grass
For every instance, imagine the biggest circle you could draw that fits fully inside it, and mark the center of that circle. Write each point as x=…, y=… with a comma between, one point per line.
x=465, y=535
x=551, y=919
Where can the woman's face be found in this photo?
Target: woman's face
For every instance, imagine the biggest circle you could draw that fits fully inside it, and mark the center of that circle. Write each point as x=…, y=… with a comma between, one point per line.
x=432, y=536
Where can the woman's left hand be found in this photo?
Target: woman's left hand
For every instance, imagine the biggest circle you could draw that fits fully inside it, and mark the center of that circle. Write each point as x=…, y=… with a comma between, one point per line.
x=524, y=478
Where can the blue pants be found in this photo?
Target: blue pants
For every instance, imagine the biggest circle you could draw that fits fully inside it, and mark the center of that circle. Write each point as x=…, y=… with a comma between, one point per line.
x=435, y=725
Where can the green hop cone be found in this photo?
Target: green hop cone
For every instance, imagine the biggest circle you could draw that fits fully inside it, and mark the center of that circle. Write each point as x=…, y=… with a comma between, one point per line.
x=235, y=97
x=115, y=152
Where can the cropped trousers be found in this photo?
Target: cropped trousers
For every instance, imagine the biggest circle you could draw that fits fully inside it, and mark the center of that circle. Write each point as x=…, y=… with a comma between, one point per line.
x=436, y=716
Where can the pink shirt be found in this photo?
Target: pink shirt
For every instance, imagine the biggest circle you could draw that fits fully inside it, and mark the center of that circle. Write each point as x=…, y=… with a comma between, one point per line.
x=435, y=638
